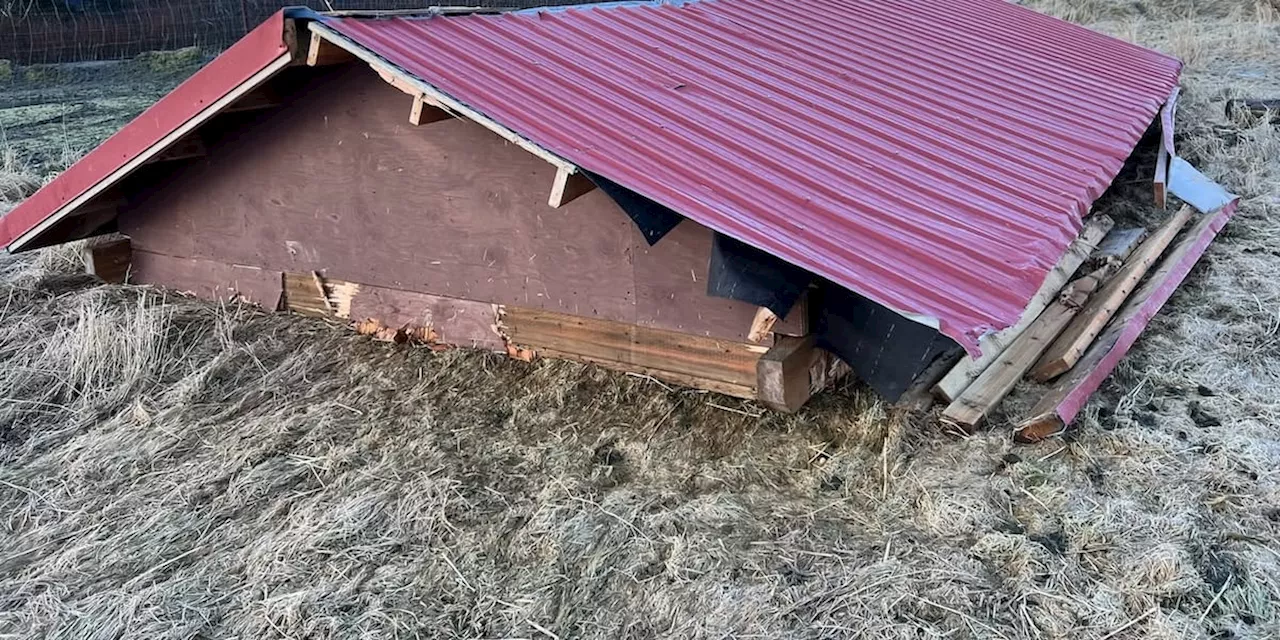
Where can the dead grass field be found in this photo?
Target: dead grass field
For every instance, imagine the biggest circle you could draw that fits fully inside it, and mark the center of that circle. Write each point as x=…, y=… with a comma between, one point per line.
x=176, y=469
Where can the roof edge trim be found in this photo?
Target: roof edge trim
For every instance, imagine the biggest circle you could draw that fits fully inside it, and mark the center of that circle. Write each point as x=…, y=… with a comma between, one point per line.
x=448, y=101
x=21, y=242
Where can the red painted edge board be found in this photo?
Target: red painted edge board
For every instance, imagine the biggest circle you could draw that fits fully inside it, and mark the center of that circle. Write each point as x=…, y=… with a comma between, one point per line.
x=233, y=67
x=1074, y=401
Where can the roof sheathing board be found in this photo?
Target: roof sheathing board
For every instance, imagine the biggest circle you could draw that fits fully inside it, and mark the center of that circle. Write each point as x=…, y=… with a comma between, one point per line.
x=935, y=158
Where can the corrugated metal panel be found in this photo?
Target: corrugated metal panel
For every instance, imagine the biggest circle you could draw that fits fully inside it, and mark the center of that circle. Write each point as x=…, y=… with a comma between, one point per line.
x=936, y=157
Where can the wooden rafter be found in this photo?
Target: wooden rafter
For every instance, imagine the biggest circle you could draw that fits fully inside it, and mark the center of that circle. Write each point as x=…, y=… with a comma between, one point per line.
x=568, y=186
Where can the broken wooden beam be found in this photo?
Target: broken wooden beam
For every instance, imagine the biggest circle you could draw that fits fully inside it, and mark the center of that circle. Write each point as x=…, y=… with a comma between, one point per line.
x=762, y=325
x=970, y=410
x=426, y=111
x=1076, y=338
x=968, y=369
x=568, y=186
x=1064, y=400
x=322, y=53
x=1116, y=248
x=108, y=259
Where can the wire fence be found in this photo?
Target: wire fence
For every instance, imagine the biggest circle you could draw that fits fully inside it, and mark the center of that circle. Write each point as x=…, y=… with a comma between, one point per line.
x=58, y=31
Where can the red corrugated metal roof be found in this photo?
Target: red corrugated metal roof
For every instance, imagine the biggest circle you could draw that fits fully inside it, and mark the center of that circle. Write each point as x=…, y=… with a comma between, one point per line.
x=936, y=157
x=248, y=57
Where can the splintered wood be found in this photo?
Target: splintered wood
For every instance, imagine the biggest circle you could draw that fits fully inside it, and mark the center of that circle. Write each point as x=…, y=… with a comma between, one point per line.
x=969, y=410
x=1067, y=349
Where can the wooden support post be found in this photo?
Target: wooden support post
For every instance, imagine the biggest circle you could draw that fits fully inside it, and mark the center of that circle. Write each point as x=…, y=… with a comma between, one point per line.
x=968, y=369
x=425, y=111
x=109, y=259
x=762, y=325
x=323, y=53
x=568, y=186
x=1159, y=183
x=969, y=410
x=1116, y=248
x=1067, y=349
x=784, y=373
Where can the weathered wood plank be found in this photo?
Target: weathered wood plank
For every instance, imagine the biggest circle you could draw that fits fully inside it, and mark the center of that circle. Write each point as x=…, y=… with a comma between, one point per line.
x=762, y=325
x=1064, y=400
x=1067, y=349
x=1116, y=247
x=792, y=371
x=631, y=345
x=968, y=369
x=970, y=410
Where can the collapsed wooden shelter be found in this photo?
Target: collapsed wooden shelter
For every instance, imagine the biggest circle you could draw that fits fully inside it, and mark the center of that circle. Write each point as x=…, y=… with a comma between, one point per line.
x=708, y=192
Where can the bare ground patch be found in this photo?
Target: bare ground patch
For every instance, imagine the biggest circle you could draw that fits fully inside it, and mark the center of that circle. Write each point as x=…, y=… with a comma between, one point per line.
x=176, y=469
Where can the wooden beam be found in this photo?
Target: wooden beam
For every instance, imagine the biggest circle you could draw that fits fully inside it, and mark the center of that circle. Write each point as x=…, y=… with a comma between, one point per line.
x=321, y=53
x=425, y=111
x=1067, y=349
x=968, y=369
x=970, y=410
x=1063, y=401
x=1160, y=181
x=568, y=186
x=188, y=147
x=782, y=375
x=762, y=325
x=108, y=258
x=264, y=97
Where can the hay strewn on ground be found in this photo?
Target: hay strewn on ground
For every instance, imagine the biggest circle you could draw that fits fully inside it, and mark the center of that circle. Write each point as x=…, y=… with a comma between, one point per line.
x=176, y=469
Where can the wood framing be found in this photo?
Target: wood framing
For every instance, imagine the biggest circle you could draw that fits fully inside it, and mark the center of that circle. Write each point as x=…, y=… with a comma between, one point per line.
x=762, y=324
x=568, y=186
x=322, y=52
x=1159, y=184
x=425, y=111
x=1067, y=349
x=968, y=369
x=108, y=258
x=793, y=370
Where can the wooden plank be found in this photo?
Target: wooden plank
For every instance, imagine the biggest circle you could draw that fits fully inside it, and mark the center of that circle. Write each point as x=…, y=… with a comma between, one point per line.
x=968, y=411
x=631, y=345
x=1064, y=400
x=424, y=111
x=1067, y=349
x=968, y=369
x=568, y=186
x=1159, y=184
x=322, y=53
x=108, y=258
x=155, y=149
x=303, y=294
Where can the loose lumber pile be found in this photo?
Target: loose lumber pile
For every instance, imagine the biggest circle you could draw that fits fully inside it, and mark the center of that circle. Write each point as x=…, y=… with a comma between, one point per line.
x=1069, y=334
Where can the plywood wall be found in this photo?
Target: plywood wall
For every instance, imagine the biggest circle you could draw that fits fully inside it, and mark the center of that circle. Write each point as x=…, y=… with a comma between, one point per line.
x=337, y=181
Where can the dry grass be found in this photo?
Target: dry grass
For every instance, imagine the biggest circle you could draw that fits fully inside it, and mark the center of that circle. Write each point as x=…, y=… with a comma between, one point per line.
x=176, y=469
